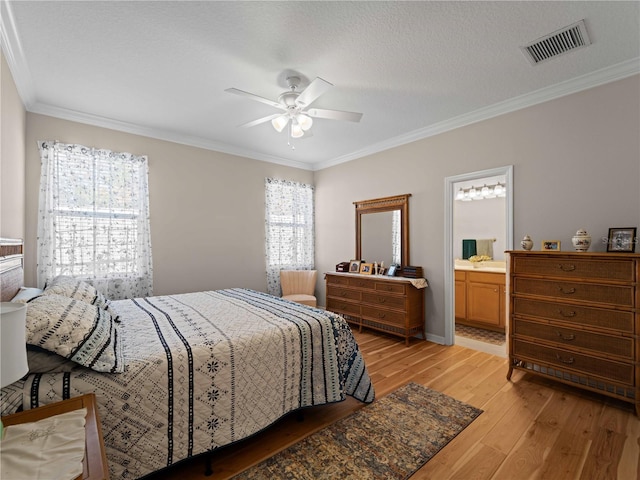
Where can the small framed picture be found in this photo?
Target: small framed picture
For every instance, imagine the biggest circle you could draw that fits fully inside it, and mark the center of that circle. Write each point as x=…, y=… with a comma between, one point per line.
x=551, y=245
x=354, y=266
x=392, y=270
x=622, y=240
x=366, y=268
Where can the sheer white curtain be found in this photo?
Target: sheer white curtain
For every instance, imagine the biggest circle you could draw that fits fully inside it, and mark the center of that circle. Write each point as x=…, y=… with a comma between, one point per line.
x=93, y=221
x=289, y=225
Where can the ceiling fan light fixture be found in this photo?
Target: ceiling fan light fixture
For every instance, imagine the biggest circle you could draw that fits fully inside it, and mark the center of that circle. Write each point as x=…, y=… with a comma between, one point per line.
x=296, y=130
x=280, y=122
x=304, y=121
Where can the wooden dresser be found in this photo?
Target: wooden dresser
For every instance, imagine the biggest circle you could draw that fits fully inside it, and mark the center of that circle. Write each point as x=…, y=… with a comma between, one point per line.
x=388, y=304
x=575, y=317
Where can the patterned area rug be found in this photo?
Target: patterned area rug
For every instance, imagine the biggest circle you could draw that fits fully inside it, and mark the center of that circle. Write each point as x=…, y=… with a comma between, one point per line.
x=488, y=336
x=389, y=439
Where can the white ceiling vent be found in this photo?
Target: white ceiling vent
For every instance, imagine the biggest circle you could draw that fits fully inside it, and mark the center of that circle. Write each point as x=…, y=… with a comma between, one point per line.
x=557, y=43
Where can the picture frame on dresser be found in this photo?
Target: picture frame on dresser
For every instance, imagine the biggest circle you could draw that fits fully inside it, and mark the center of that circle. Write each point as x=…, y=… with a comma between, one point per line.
x=354, y=266
x=366, y=268
x=551, y=245
x=622, y=240
x=392, y=270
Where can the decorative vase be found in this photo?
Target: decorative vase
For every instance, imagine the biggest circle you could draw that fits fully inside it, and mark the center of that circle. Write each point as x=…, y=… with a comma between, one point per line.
x=581, y=241
x=526, y=243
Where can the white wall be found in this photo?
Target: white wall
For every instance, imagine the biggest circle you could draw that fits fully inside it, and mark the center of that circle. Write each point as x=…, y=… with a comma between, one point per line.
x=576, y=165
x=12, y=157
x=480, y=219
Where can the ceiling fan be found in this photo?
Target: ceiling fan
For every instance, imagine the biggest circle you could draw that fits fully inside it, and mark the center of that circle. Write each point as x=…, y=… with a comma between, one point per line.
x=295, y=107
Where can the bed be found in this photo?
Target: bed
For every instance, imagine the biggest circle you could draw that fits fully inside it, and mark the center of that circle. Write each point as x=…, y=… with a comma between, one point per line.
x=198, y=371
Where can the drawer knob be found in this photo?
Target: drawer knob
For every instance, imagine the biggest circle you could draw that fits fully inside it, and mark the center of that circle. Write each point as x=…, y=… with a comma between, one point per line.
x=568, y=361
x=567, y=291
x=381, y=315
x=566, y=268
x=568, y=314
x=566, y=337
x=381, y=299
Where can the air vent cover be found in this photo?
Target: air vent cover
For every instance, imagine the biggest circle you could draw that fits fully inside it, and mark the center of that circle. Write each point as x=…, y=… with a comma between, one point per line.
x=557, y=43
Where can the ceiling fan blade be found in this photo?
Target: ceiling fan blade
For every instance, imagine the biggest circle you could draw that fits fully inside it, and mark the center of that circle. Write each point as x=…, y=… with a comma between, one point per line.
x=242, y=93
x=260, y=120
x=334, y=114
x=313, y=91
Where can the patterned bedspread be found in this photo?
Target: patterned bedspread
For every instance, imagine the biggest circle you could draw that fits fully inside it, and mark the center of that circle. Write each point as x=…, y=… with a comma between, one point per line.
x=207, y=369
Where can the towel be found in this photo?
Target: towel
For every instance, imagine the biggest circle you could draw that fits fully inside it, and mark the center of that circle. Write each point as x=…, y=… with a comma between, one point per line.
x=485, y=247
x=51, y=448
x=468, y=249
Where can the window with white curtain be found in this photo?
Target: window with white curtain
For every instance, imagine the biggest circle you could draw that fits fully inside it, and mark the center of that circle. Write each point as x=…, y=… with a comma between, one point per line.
x=93, y=221
x=289, y=223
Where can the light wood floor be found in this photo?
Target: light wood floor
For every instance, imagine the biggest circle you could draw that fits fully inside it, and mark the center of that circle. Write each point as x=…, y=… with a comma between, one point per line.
x=530, y=429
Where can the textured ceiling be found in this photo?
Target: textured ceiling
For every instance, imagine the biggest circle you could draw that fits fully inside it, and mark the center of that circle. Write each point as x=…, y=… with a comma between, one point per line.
x=412, y=68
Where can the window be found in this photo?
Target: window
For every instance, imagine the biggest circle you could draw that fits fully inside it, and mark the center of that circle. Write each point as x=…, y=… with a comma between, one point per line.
x=94, y=219
x=289, y=222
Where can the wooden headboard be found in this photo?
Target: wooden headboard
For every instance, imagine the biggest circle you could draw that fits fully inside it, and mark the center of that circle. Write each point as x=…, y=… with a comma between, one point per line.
x=11, y=267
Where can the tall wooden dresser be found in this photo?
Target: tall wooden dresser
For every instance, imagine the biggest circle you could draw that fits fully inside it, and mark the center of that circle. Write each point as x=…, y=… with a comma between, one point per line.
x=575, y=318
x=390, y=304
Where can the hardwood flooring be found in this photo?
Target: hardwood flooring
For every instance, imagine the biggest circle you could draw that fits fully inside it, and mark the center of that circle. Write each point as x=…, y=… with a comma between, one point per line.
x=531, y=428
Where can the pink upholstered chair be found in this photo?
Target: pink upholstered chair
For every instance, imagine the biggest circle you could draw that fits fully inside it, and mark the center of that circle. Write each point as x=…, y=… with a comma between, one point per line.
x=299, y=286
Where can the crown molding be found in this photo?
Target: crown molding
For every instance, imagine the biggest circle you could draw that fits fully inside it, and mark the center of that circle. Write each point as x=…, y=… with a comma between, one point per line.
x=568, y=87
x=192, y=141
x=12, y=49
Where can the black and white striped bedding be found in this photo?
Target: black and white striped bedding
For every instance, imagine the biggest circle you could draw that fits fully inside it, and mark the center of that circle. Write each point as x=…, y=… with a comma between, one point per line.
x=207, y=369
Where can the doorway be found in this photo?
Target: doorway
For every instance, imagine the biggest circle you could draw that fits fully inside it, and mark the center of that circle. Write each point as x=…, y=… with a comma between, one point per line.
x=452, y=185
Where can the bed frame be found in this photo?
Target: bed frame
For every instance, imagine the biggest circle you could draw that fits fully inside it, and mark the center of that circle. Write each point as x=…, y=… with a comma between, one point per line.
x=11, y=267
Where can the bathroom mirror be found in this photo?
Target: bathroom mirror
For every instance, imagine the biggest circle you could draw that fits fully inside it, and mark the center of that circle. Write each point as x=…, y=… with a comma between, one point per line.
x=382, y=230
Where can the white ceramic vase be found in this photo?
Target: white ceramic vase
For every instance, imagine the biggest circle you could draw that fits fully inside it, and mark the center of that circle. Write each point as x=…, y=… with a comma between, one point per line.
x=526, y=243
x=581, y=241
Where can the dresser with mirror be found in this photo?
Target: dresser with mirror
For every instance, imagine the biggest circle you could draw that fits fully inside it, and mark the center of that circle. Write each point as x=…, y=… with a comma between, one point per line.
x=391, y=304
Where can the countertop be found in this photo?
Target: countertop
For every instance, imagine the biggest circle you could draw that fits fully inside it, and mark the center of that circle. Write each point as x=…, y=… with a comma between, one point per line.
x=498, y=266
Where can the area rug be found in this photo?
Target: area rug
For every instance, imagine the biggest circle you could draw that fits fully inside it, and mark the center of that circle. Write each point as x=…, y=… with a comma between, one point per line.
x=389, y=439
x=480, y=334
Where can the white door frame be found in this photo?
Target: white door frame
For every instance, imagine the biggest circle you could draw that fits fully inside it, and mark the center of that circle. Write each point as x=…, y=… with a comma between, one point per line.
x=449, y=278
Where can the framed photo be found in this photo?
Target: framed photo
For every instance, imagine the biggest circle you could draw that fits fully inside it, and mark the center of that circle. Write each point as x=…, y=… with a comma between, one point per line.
x=354, y=266
x=366, y=268
x=551, y=245
x=622, y=240
x=392, y=270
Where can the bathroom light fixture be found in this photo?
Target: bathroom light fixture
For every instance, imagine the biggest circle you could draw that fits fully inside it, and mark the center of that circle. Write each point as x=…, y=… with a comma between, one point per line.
x=486, y=191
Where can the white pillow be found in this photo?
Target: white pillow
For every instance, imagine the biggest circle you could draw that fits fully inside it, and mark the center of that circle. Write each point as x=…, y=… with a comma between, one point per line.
x=27, y=293
x=76, y=330
x=73, y=288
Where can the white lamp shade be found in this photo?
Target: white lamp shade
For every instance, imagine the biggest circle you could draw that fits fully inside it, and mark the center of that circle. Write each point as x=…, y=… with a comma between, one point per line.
x=280, y=122
x=296, y=130
x=304, y=121
x=13, y=345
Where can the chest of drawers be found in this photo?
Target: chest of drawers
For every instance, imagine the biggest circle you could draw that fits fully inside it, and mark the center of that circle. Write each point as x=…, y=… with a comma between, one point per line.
x=392, y=305
x=575, y=317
